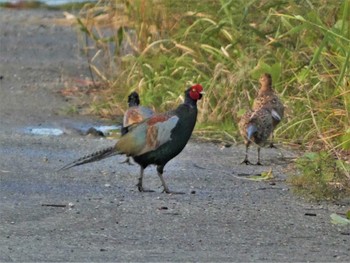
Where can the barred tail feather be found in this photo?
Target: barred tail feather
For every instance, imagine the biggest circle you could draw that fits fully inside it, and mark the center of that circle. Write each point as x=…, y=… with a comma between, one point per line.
x=96, y=156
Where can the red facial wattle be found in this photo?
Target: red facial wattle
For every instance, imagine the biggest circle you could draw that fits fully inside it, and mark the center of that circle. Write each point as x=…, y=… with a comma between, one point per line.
x=195, y=92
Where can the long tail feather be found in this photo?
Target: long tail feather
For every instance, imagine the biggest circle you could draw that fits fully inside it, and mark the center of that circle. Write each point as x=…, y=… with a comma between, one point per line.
x=96, y=156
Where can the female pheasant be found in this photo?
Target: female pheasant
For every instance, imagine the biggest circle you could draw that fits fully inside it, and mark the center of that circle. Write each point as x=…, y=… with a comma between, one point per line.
x=267, y=98
x=155, y=140
x=256, y=126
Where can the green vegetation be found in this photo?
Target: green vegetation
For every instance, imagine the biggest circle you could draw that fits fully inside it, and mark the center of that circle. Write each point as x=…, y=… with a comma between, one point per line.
x=339, y=220
x=321, y=177
x=158, y=47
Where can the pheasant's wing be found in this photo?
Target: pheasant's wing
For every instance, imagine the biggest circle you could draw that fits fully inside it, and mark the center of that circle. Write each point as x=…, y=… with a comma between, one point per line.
x=148, y=135
x=270, y=101
x=275, y=115
x=264, y=123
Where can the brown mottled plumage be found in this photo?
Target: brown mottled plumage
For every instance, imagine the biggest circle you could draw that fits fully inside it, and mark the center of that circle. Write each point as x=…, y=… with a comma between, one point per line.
x=267, y=98
x=256, y=126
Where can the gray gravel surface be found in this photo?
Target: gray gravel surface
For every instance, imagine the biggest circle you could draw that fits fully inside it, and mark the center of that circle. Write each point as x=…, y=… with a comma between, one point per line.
x=95, y=213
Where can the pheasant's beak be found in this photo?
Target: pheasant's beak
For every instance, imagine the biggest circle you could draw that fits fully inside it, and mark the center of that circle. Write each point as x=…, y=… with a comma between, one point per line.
x=201, y=93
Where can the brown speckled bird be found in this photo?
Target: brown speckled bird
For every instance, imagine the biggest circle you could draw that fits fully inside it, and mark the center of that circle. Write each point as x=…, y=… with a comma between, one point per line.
x=267, y=98
x=135, y=114
x=256, y=126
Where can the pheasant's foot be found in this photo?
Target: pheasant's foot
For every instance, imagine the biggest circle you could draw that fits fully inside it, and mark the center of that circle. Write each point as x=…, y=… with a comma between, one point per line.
x=143, y=190
x=272, y=146
x=258, y=163
x=246, y=161
x=147, y=190
x=167, y=191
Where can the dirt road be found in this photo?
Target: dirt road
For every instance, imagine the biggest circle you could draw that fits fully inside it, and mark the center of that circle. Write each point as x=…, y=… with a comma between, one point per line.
x=95, y=213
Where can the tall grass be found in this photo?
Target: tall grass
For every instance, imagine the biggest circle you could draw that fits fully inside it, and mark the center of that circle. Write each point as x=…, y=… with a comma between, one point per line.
x=158, y=47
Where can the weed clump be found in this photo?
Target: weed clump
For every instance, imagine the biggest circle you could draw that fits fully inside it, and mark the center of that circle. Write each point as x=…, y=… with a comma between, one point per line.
x=321, y=177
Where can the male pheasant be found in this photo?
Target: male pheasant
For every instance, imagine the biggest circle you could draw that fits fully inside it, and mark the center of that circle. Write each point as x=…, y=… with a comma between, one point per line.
x=256, y=126
x=155, y=140
x=267, y=98
x=134, y=114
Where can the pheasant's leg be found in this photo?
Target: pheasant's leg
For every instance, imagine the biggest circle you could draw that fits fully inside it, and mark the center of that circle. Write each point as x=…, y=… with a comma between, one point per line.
x=258, y=163
x=271, y=143
x=160, y=170
x=140, y=183
x=246, y=161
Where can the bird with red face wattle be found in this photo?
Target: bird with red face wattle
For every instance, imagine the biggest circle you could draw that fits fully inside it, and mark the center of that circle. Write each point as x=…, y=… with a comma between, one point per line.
x=135, y=114
x=156, y=140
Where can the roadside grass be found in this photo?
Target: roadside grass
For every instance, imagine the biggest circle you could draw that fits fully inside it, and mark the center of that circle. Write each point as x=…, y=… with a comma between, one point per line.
x=159, y=47
x=321, y=177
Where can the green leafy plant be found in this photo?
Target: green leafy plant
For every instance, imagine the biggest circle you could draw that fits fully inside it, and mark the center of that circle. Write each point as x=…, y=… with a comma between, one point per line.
x=339, y=220
x=320, y=176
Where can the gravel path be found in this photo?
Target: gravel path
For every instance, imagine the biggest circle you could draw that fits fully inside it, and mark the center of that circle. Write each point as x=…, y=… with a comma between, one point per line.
x=95, y=213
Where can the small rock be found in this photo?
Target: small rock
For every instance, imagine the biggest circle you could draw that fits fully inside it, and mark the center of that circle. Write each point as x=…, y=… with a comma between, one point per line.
x=94, y=132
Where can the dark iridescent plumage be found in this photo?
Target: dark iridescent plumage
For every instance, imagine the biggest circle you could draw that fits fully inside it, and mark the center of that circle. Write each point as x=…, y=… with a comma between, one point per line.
x=256, y=126
x=156, y=140
x=267, y=98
